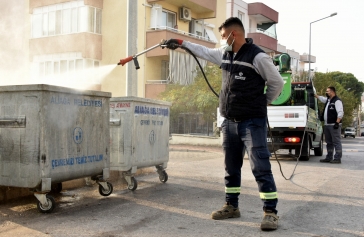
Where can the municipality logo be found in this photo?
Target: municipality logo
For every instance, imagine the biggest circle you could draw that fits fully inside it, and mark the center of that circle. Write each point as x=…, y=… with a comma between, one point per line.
x=240, y=76
x=152, y=137
x=77, y=135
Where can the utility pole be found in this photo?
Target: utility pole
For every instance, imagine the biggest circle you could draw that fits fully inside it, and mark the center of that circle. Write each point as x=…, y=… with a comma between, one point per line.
x=132, y=36
x=309, y=53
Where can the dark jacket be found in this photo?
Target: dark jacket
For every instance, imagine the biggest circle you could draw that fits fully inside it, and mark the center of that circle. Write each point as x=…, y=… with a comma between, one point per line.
x=331, y=112
x=242, y=94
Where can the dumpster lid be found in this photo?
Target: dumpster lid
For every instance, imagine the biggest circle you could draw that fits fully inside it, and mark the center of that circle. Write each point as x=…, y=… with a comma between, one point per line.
x=139, y=99
x=45, y=87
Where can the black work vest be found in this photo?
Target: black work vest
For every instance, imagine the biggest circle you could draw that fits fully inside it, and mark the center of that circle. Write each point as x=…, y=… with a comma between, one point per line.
x=242, y=94
x=331, y=110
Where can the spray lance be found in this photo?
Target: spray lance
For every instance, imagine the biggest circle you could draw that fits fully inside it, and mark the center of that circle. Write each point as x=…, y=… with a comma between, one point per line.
x=163, y=45
x=134, y=58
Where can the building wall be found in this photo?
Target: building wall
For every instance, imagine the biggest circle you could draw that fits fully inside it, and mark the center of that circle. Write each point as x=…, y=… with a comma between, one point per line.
x=14, y=47
x=114, y=45
x=233, y=7
x=219, y=19
x=87, y=43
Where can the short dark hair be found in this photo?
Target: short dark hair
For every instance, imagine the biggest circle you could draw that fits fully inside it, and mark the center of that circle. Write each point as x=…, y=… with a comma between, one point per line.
x=332, y=88
x=232, y=21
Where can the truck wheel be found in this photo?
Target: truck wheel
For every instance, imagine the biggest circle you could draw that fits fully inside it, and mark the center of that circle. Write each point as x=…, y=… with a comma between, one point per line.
x=319, y=150
x=305, y=153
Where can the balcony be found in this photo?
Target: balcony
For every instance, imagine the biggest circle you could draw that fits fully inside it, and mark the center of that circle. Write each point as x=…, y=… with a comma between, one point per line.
x=154, y=88
x=202, y=8
x=262, y=13
x=264, y=41
x=89, y=44
x=154, y=37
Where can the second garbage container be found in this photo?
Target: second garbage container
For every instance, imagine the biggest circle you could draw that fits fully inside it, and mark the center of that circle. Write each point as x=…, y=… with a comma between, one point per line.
x=139, y=132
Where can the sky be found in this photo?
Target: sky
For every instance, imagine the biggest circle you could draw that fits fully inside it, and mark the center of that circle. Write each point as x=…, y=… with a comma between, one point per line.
x=337, y=42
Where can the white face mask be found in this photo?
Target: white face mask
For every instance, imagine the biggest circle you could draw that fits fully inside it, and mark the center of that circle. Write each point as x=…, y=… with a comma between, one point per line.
x=224, y=44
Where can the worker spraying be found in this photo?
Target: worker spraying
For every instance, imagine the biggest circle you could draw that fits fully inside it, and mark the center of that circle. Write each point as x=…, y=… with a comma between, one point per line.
x=247, y=71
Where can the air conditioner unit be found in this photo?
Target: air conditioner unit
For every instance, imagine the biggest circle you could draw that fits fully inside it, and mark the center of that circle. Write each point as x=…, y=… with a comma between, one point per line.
x=184, y=14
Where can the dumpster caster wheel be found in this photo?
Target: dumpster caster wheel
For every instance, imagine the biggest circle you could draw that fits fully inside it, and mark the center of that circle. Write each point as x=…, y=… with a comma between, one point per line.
x=133, y=185
x=56, y=188
x=163, y=177
x=104, y=192
x=50, y=205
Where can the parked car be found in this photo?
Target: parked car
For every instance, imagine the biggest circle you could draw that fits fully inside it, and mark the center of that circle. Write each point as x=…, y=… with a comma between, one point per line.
x=349, y=132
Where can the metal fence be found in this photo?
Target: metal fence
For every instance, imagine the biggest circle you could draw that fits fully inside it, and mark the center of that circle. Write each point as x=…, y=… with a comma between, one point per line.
x=191, y=123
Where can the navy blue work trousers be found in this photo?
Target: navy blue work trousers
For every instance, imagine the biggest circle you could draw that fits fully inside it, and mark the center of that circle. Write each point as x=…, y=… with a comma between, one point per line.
x=248, y=136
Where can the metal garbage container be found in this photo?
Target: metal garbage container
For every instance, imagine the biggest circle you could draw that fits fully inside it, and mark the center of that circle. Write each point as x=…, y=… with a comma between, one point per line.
x=139, y=133
x=51, y=134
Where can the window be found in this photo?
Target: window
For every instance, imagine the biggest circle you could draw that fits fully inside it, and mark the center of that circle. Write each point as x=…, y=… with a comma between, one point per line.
x=63, y=66
x=66, y=21
x=37, y=26
x=240, y=16
x=49, y=65
x=168, y=19
x=65, y=18
x=165, y=71
x=201, y=30
x=56, y=68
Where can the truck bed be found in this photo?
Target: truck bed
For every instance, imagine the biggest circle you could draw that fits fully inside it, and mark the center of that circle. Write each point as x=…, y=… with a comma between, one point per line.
x=287, y=116
x=292, y=117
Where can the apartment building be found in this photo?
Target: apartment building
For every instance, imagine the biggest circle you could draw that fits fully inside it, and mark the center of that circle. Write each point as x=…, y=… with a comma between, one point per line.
x=260, y=24
x=86, y=35
x=52, y=40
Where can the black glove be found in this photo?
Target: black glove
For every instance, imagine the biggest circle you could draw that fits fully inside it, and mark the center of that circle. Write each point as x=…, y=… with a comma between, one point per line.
x=173, y=43
x=336, y=126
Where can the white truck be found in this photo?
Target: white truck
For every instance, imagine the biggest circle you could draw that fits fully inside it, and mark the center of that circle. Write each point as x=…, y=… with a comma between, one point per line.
x=293, y=118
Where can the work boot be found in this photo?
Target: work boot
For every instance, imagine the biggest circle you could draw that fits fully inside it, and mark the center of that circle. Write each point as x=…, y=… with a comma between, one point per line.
x=227, y=211
x=270, y=221
x=325, y=160
x=335, y=161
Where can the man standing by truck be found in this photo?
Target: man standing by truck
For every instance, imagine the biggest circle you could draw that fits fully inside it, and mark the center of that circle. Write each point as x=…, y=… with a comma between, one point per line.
x=332, y=115
x=246, y=70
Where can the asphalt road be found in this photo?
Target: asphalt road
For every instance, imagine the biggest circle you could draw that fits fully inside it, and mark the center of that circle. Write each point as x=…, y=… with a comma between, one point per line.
x=321, y=199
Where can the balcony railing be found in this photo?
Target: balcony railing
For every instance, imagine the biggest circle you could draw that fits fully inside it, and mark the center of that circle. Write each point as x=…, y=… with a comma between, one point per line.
x=155, y=35
x=157, y=82
x=196, y=36
x=259, y=30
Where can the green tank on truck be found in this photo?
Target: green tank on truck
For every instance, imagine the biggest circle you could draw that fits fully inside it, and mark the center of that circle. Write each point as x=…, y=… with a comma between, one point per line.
x=293, y=118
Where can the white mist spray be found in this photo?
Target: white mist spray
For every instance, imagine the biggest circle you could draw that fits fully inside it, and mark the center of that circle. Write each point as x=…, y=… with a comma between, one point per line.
x=86, y=79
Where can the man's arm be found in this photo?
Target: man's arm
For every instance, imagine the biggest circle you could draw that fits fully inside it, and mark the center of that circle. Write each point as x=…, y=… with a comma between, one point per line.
x=265, y=67
x=321, y=98
x=340, y=110
x=213, y=55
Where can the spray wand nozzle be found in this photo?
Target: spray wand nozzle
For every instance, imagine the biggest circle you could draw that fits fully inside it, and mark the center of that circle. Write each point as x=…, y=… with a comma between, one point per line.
x=134, y=58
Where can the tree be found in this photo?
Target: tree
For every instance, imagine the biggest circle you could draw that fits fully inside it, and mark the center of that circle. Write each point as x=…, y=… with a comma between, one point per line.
x=342, y=82
x=197, y=97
